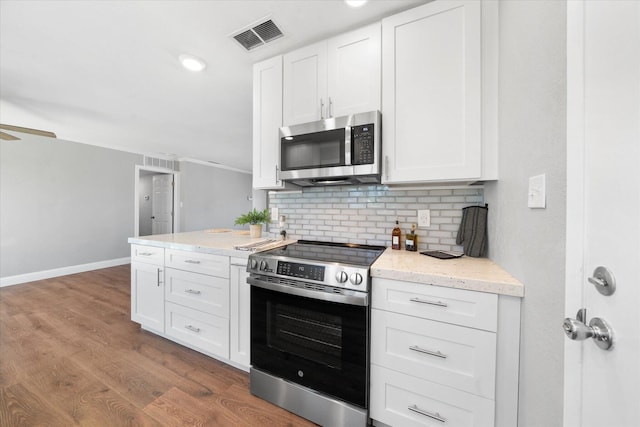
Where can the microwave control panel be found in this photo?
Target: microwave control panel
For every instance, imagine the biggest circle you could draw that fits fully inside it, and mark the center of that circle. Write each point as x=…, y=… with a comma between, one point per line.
x=362, y=145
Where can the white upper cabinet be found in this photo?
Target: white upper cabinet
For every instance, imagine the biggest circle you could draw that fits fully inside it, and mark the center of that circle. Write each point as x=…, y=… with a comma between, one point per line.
x=439, y=100
x=354, y=66
x=332, y=78
x=267, y=119
x=305, y=84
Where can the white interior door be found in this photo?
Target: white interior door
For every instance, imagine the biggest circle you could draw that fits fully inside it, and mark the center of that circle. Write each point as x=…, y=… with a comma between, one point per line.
x=602, y=387
x=162, y=204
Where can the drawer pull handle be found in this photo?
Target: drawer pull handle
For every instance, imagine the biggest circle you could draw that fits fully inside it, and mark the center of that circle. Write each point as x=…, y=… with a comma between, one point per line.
x=192, y=328
x=435, y=416
x=424, y=301
x=192, y=261
x=429, y=352
x=145, y=253
x=192, y=291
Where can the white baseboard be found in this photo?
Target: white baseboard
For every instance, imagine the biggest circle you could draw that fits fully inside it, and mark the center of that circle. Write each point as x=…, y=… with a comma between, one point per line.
x=62, y=271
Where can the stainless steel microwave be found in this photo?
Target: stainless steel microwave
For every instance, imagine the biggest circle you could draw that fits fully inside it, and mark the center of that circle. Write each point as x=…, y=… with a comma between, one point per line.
x=335, y=151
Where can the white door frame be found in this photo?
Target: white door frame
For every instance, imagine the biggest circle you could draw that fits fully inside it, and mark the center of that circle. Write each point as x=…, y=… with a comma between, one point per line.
x=176, y=196
x=574, y=295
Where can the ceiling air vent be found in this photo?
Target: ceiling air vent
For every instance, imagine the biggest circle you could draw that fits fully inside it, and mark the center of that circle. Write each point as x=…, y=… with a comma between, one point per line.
x=258, y=35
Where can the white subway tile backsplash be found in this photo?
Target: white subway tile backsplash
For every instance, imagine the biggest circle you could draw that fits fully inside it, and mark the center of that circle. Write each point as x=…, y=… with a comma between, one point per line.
x=367, y=214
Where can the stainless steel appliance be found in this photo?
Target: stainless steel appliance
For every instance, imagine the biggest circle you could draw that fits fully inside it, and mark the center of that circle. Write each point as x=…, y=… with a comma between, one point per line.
x=339, y=150
x=310, y=329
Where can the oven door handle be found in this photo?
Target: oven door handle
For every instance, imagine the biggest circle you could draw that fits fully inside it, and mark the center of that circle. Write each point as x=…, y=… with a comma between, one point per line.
x=352, y=299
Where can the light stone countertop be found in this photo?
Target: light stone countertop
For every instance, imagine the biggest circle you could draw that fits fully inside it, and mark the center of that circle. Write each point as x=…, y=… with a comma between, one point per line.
x=475, y=274
x=205, y=241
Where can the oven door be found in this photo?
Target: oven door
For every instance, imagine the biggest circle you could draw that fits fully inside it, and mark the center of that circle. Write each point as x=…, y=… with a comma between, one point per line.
x=321, y=345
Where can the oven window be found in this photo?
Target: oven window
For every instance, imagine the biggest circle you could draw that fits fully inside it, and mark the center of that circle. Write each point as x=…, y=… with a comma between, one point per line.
x=305, y=333
x=313, y=150
x=321, y=345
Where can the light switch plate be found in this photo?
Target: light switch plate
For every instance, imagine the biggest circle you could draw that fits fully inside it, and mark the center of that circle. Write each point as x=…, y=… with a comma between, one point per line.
x=424, y=218
x=274, y=214
x=537, y=192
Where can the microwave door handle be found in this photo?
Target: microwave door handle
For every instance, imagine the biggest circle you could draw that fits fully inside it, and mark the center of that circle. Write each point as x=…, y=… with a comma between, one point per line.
x=347, y=146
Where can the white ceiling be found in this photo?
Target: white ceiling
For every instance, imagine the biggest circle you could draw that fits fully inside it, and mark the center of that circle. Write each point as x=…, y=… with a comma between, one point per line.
x=106, y=72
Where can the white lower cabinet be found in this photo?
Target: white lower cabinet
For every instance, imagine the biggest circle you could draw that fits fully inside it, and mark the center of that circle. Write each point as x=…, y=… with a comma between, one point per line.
x=197, y=329
x=197, y=299
x=463, y=358
x=240, y=314
x=208, y=294
x=147, y=295
x=443, y=356
x=147, y=287
x=404, y=400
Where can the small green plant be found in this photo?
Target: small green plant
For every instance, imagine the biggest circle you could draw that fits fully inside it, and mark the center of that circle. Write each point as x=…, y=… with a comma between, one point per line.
x=254, y=217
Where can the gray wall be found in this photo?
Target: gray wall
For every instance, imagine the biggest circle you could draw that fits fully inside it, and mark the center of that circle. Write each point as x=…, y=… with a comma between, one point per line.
x=63, y=204
x=212, y=197
x=530, y=243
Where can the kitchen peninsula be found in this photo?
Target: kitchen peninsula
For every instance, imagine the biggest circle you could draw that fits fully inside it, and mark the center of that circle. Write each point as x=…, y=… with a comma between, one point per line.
x=191, y=288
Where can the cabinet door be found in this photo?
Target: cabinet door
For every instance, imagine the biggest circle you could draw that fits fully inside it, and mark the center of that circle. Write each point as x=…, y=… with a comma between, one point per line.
x=147, y=254
x=198, y=330
x=240, y=316
x=267, y=119
x=197, y=262
x=305, y=84
x=202, y=292
x=398, y=399
x=451, y=355
x=354, y=72
x=147, y=295
x=431, y=58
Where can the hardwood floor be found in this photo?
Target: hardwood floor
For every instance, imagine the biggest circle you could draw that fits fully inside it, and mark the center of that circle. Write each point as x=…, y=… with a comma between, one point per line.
x=70, y=355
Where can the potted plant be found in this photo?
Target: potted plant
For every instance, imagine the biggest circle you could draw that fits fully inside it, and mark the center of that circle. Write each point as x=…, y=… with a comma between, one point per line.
x=255, y=219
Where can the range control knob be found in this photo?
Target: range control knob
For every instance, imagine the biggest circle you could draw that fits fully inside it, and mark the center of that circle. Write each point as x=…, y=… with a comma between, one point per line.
x=263, y=265
x=356, y=279
x=341, y=276
x=253, y=264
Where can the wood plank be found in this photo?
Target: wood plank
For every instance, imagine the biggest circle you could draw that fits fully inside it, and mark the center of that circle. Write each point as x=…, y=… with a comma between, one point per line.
x=19, y=407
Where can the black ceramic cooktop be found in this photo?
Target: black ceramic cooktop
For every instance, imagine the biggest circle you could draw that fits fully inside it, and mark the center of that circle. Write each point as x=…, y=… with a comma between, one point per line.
x=342, y=253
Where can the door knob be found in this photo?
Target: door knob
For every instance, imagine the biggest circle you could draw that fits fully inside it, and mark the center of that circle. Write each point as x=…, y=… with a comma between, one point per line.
x=598, y=329
x=603, y=280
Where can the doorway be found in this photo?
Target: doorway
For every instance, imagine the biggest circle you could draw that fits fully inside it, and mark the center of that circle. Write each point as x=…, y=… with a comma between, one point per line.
x=156, y=198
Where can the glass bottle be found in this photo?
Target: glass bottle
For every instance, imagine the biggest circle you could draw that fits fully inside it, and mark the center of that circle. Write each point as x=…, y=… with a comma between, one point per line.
x=395, y=237
x=411, y=242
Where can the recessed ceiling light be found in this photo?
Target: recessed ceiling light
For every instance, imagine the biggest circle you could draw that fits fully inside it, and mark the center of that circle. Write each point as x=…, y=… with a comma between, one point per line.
x=355, y=3
x=192, y=63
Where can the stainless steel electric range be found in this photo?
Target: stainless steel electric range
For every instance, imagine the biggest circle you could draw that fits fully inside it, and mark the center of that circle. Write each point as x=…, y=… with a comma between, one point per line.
x=310, y=329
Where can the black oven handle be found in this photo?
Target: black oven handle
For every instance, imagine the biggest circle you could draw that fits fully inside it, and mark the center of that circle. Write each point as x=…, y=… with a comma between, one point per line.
x=353, y=298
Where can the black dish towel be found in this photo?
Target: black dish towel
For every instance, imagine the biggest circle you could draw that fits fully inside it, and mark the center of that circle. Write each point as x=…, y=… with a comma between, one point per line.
x=472, y=234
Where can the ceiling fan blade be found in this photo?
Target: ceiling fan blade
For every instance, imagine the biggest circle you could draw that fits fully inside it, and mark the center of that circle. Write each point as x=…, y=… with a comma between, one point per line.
x=8, y=137
x=24, y=130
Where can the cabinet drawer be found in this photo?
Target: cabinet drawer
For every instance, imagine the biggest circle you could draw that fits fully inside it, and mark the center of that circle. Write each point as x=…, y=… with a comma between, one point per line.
x=393, y=393
x=467, y=308
x=197, y=330
x=215, y=265
x=202, y=292
x=147, y=254
x=455, y=356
